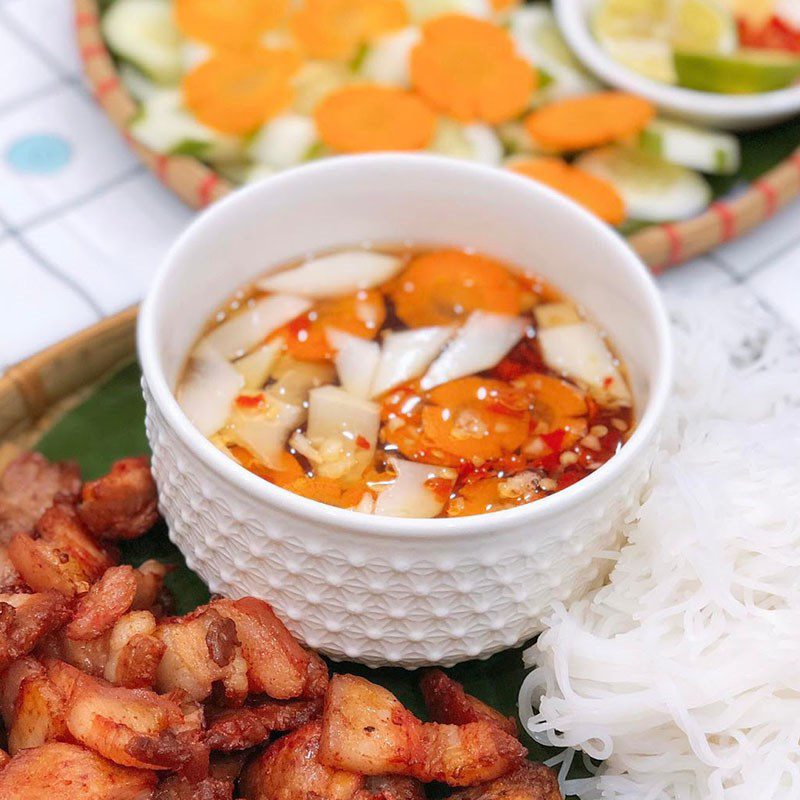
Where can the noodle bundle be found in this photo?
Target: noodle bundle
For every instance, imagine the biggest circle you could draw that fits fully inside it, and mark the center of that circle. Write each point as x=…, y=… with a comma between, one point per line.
x=682, y=673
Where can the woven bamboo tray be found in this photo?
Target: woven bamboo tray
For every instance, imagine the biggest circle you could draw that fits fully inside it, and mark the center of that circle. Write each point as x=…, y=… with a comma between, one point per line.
x=35, y=392
x=660, y=246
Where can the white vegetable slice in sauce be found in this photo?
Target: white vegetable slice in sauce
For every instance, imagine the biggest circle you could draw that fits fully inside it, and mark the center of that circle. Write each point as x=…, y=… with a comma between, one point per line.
x=579, y=352
x=480, y=344
x=249, y=327
x=356, y=361
x=407, y=354
x=344, y=429
x=408, y=495
x=207, y=391
x=256, y=366
x=264, y=433
x=335, y=275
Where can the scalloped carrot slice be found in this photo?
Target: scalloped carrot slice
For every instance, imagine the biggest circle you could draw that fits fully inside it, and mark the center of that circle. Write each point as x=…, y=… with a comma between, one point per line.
x=557, y=406
x=369, y=118
x=576, y=123
x=238, y=92
x=445, y=286
x=500, y=6
x=561, y=398
x=228, y=24
x=468, y=68
x=361, y=314
x=335, y=29
x=491, y=494
x=327, y=490
x=289, y=470
x=476, y=418
x=594, y=194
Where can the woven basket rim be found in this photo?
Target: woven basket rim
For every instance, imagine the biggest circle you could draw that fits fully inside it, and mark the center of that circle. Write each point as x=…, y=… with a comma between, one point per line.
x=660, y=246
x=32, y=390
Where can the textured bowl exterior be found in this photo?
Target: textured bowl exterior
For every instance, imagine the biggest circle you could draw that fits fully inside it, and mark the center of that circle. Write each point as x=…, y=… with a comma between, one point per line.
x=389, y=599
x=371, y=588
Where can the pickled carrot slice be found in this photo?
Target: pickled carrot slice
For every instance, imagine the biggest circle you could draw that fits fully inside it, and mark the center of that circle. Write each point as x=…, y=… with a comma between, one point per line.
x=476, y=418
x=445, y=286
x=468, y=68
x=370, y=118
x=576, y=123
x=238, y=92
x=593, y=193
x=361, y=314
x=335, y=29
x=232, y=25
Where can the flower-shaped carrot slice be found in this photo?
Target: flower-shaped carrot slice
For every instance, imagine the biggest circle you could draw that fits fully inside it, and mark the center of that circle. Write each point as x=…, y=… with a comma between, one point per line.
x=335, y=29
x=595, y=194
x=237, y=92
x=368, y=118
x=468, y=68
x=361, y=314
x=476, y=418
x=576, y=123
x=442, y=287
x=228, y=24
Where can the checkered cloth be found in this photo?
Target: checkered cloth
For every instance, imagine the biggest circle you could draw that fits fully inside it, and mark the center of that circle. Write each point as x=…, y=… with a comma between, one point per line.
x=83, y=225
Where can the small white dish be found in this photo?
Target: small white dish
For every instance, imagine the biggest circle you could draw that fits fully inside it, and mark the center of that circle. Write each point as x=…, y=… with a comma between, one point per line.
x=731, y=112
x=379, y=589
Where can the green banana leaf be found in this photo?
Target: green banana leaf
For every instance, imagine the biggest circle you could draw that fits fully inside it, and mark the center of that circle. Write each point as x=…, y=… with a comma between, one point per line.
x=109, y=425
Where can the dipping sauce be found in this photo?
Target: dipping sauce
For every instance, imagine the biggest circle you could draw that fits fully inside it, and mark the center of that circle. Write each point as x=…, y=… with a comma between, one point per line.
x=408, y=382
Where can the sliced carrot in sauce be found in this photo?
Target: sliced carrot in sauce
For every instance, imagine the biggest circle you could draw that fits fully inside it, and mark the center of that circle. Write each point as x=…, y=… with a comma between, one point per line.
x=445, y=286
x=336, y=29
x=229, y=24
x=576, y=123
x=495, y=494
x=290, y=469
x=560, y=412
x=361, y=314
x=594, y=194
x=327, y=490
x=237, y=92
x=554, y=396
x=369, y=118
x=476, y=418
x=469, y=68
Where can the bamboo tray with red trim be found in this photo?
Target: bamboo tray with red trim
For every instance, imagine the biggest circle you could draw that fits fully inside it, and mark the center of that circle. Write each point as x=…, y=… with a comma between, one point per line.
x=660, y=246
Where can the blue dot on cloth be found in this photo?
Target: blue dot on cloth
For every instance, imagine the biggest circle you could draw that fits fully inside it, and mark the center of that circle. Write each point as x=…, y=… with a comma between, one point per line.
x=39, y=154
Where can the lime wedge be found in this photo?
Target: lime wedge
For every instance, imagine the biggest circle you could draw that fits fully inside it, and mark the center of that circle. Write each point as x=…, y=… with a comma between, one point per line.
x=746, y=72
x=649, y=57
x=705, y=26
x=642, y=34
x=631, y=19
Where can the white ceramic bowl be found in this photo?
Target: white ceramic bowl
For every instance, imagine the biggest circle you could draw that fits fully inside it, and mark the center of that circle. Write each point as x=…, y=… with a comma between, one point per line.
x=378, y=589
x=732, y=112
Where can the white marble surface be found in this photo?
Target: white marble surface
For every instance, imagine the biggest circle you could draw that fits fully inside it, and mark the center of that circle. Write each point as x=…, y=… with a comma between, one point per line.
x=83, y=225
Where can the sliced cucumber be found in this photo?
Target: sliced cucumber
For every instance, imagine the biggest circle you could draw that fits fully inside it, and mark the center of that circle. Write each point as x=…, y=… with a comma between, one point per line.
x=144, y=33
x=193, y=54
x=538, y=39
x=473, y=142
x=386, y=60
x=653, y=189
x=420, y=10
x=709, y=151
x=137, y=83
x=166, y=127
x=315, y=81
x=515, y=138
x=285, y=141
